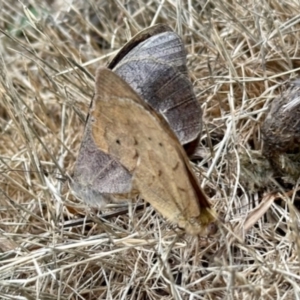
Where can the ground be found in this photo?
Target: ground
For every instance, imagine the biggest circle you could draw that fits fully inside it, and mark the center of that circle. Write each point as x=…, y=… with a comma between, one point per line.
x=240, y=54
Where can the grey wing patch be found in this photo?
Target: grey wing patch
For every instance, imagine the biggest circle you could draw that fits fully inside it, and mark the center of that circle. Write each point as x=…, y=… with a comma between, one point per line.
x=97, y=175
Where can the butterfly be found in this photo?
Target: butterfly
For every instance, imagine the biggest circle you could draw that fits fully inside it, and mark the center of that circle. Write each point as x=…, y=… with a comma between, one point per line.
x=130, y=147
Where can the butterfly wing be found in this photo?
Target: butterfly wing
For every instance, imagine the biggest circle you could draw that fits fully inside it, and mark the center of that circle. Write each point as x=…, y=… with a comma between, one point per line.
x=129, y=130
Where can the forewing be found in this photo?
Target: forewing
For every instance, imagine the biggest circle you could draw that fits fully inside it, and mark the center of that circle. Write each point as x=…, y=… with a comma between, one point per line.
x=143, y=142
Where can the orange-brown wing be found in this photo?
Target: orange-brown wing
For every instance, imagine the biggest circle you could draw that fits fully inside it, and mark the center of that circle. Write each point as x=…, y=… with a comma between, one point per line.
x=126, y=128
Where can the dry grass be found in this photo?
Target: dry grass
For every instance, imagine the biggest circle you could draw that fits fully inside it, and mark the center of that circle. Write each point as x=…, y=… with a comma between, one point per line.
x=239, y=54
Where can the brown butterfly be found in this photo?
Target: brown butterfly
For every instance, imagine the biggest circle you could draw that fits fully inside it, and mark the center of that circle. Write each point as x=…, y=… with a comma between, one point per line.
x=127, y=141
